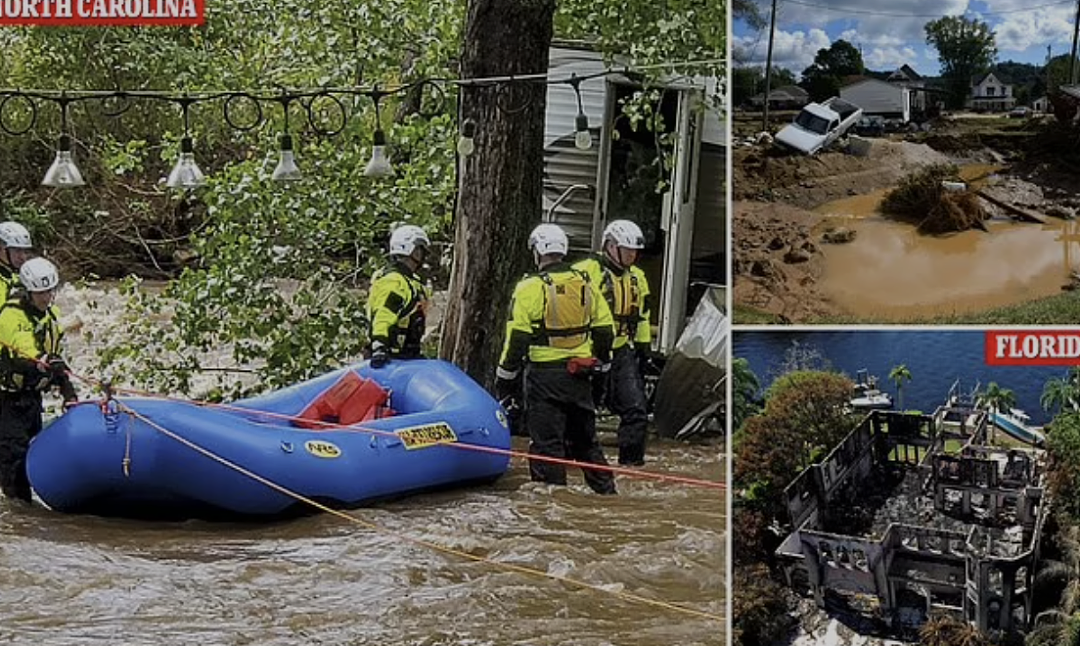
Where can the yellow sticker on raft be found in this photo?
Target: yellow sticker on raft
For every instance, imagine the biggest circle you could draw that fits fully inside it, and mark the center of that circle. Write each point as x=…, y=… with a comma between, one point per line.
x=418, y=437
x=322, y=449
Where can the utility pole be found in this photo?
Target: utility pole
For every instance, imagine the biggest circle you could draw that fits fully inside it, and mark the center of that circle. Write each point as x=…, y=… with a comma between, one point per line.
x=768, y=67
x=1049, y=57
x=1072, y=57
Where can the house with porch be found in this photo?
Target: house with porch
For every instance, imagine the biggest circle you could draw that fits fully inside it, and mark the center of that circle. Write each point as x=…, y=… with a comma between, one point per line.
x=990, y=94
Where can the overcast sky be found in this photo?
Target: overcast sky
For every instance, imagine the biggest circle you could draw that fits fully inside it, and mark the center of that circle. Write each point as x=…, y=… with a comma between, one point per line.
x=891, y=32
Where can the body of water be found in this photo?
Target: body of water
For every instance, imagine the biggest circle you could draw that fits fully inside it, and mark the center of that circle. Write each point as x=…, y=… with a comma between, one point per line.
x=935, y=358
x=79, y=580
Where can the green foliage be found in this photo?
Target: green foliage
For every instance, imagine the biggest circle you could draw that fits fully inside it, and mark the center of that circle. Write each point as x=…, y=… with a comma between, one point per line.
x=749, y=81
x=266, y=277
x=1063, y=442
x=804, y=416
x=898, y=375
x=743, y=392
x=760, y=608
x=965, y=48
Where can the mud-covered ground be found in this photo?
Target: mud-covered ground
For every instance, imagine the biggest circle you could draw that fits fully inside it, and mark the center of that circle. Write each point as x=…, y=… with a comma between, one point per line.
x=779, y=243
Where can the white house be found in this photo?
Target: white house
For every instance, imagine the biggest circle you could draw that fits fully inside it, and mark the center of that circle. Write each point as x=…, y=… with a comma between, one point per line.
x=904, y=76
x=1041, y=104
x=875, y=97
x=990, y=94
x=616, y=177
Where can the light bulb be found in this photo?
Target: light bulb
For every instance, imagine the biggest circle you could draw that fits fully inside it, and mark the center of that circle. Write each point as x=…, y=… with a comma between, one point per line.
x=582, y=136
x=63, y=173
x=466, y=145
x=286, y=170
x=186, y=173
x=379, y=165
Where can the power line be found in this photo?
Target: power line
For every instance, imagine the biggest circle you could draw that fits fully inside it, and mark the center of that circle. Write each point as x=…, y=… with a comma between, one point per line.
x=869, y=12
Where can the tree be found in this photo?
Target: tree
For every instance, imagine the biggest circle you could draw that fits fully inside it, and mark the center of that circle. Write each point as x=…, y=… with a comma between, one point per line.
x=749, y=81
x=898, y=374
x=743, y=392
x=500, y=193
x=759, y=606
x=1061, y=393
x=1063, y=443
x=823, y=78
x=804, y=415
x=996, y=399
x=748, y=12
x=965, y=49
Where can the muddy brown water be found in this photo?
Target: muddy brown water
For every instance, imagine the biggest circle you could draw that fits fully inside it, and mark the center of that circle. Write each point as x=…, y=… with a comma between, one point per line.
x=892, y=272
x=325, y=580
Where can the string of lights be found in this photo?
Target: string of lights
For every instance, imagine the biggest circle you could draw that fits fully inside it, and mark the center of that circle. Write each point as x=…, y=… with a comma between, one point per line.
x=186, y=174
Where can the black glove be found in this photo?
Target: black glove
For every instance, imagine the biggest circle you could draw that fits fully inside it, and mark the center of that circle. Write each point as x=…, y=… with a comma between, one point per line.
x=57, y=367
x=379, y=358
x=507, y=390
x=643, y=354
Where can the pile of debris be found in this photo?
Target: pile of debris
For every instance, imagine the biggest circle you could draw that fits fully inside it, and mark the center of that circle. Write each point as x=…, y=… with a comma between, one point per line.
x=936, y=200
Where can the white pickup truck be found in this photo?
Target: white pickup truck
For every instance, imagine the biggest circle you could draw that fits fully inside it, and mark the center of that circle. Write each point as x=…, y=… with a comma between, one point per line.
x=819, y=124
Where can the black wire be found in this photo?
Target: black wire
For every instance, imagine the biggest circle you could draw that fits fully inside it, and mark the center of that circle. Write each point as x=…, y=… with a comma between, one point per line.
x=309, y=108
x=33, y=115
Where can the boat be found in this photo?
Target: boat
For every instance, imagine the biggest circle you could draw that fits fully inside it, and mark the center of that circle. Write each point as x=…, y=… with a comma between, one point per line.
x=1016, y=423
x=344, y=439
x=866, y=395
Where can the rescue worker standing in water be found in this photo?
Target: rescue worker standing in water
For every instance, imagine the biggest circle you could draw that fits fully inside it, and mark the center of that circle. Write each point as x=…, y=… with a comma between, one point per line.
x=15, y=249
x=30, y=364
x=558, y=320
x=398, y=300
x=626, y=291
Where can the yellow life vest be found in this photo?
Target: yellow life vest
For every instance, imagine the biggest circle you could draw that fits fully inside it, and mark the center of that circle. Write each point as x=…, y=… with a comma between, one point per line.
x=568, y=305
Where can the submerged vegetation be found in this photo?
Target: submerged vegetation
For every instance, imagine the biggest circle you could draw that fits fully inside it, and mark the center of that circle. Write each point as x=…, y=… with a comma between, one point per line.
x=923, y=199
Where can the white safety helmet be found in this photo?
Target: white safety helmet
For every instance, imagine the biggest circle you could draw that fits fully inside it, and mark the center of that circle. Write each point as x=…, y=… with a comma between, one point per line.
x=549, y=238
x=38, y=275
x=625, y=233
x=404, y=240
x=15, y=235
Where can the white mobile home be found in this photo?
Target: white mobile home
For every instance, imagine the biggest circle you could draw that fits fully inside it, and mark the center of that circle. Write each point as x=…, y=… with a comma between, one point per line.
x=875, y=97
x=616, y=178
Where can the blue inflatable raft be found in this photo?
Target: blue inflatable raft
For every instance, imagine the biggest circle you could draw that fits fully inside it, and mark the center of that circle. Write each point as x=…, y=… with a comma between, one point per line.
x=401, y=420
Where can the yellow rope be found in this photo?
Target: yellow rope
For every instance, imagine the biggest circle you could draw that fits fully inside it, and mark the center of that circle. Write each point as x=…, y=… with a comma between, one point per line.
x=416, y=541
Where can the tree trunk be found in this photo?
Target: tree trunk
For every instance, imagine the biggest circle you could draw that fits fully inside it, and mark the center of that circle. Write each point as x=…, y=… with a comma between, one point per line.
x=499, y=200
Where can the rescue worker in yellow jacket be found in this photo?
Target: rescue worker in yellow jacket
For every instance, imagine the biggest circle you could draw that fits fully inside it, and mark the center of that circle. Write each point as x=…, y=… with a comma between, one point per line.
x=626, y=291
x=398, y=300
x=15, y=249
x=30, y=364
x=557, y=338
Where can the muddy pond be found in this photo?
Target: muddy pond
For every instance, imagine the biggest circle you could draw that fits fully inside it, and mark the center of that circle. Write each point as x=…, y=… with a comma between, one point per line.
x=890, y=271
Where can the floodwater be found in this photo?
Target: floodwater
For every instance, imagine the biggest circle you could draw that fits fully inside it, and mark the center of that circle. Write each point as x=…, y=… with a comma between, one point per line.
x=359, y=579
x=324, y=580
x=892, y=272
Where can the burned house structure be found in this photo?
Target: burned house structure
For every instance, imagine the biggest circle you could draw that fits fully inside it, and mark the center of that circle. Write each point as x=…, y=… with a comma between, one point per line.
x=915, y=514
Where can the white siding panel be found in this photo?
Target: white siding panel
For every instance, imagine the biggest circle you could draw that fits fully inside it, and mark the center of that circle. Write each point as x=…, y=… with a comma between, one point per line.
x=876, y=97
x=565, y=165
